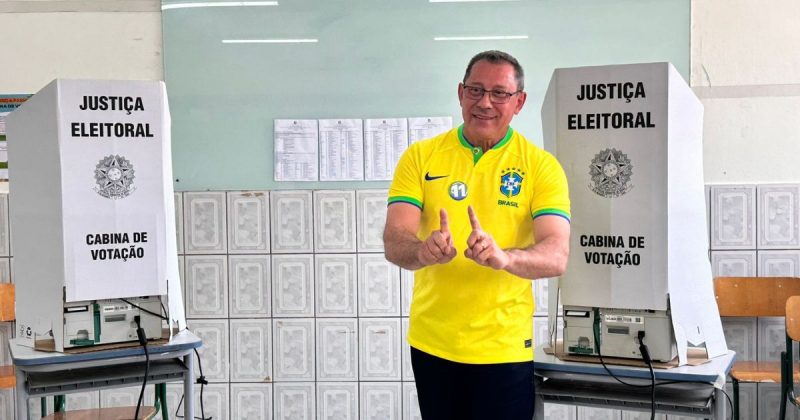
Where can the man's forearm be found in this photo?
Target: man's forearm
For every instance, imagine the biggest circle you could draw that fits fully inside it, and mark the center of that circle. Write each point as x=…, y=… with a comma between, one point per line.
x=541, y=260
x=403, y=250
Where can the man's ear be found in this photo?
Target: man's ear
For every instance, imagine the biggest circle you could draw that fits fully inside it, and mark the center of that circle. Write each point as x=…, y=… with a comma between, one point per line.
x=521, y=97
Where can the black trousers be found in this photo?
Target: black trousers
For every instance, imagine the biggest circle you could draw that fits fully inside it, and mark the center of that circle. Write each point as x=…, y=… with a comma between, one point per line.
x=451, y=390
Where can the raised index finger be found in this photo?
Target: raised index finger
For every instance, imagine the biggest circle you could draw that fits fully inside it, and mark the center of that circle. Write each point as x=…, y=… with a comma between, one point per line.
x=443, y=222
x=473, y=219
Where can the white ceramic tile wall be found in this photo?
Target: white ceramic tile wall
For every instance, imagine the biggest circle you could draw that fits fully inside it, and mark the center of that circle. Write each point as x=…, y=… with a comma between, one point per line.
x=408, y=372
x=771, y=338
x=205, y=218
x=543, y=332
x=734, y=263
x=380, y=400
x=769, y=213
x=379, y=350
x=251, y=401
x=741, y=335
x=337, y=349
x=293, y=285
x=83, y=400
x=769, y=397
x=174, y=401
x=214, y=352
x=774, y=263
x=121, y=397
x=206, y=286
x=337, y=400
x=35, y=407
x=248, y=222
x=560, y=412
x=5, y=270
x=733, y=217
x=294, y=349
x=410, y=402
x=5, y=334
x=182, y=274
x=594, y=413
x=641, y=415
x=748, y=394
x=291, y=222
x=406, y=290
x=179, y=221
x=370, y=219
x=250, y=288
x=335, y=285
x=334, y=221
x=378, y=286
x=777, y=216
x=5, y=242
x=539, y=289
x=294, y=401
x=251, y=350
x=7, y=403
x=292, y=311
x=215, y=401
x=277, y=355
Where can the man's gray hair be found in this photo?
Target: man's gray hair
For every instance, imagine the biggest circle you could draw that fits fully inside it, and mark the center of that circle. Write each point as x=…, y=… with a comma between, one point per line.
x=498, y=57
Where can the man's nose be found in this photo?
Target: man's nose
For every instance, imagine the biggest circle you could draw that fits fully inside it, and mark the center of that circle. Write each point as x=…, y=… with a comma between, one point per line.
x=485, y=101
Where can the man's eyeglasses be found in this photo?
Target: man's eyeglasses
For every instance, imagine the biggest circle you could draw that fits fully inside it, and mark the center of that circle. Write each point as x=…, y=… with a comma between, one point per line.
x=476, y=93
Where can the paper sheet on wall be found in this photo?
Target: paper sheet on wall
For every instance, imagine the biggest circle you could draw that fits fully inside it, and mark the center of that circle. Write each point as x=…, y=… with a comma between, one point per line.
x=341, y=150
x=8, y=103
x=296, y=156
x=427, y=127
x=385, y=140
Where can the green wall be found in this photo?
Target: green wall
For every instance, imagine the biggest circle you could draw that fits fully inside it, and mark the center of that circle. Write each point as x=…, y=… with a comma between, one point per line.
x=374, y=58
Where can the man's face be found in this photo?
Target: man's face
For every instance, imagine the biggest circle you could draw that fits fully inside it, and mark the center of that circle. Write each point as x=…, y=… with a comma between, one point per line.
x=484, y=120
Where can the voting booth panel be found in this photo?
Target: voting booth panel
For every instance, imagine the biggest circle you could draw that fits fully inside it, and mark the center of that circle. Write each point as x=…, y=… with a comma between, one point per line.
x=92, y=211
x=630, y=140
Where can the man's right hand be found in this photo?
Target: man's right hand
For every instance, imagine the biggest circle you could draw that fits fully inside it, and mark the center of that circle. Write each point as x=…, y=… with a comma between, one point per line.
x=438, y=247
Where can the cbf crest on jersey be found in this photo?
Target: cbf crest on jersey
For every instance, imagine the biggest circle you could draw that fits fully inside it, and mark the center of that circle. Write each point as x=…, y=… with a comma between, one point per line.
x=511, y=181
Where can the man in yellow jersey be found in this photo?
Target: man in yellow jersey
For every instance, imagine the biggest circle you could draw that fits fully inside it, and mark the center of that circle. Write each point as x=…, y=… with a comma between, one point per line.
x=478, y=212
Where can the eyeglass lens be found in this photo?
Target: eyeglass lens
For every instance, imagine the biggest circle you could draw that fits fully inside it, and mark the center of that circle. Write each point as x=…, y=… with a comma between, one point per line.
x=496, y=96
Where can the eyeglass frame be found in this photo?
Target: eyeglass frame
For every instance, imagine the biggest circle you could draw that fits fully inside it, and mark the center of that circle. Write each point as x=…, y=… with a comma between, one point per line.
x=492, y=99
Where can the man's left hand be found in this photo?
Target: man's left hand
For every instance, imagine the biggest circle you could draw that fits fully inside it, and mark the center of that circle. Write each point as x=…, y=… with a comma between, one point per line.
x=482, y=248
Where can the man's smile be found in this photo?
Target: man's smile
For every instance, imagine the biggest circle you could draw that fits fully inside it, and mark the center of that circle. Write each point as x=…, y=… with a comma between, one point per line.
x=483, y=117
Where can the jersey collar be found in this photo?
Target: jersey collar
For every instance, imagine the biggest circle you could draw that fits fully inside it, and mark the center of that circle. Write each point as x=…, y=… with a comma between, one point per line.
x=476, y=151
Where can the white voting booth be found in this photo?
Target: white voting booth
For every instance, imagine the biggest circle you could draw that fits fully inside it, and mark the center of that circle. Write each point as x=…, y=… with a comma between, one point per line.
x=630, y=140
x=92, y=213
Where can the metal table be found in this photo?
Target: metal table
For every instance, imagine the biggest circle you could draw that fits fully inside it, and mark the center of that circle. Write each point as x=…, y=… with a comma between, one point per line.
x=694, y=390
x=41, y=374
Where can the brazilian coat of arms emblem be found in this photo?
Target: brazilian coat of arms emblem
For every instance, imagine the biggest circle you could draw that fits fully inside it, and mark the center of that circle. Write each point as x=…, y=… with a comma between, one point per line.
x=610, y=173
x=114, y=177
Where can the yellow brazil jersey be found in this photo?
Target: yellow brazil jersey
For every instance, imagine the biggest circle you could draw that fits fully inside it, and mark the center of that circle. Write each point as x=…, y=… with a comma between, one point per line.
x=462, y=311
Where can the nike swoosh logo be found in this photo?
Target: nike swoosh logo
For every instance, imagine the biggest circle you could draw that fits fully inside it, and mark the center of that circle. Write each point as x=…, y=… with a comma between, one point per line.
x=428, y=176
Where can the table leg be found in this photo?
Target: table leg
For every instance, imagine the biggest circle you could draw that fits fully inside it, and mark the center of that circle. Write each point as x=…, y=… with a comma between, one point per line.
x=188, y=387
x=720, y=404
x=22, y=396
x=161, y=389
x=538, y=404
